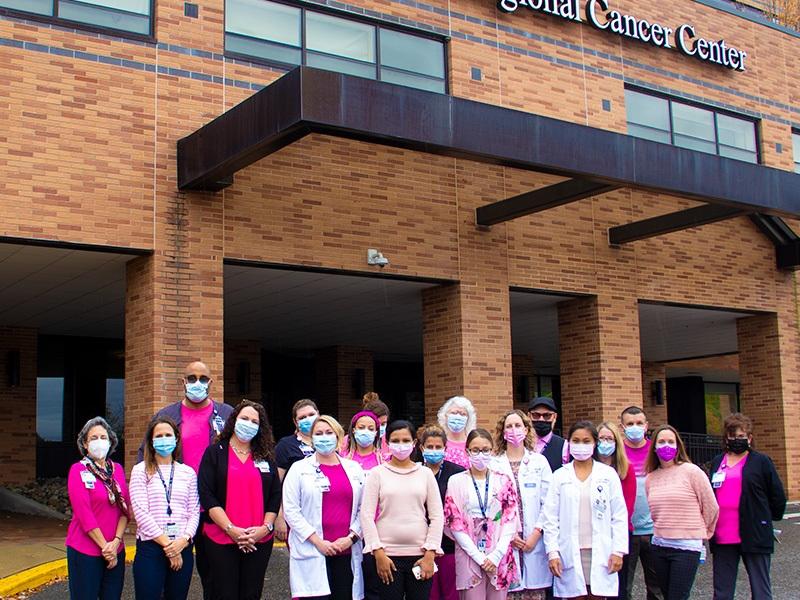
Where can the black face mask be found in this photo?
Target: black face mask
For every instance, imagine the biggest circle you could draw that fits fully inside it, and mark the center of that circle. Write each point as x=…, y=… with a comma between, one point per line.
x=738, y=445
x=542, y=428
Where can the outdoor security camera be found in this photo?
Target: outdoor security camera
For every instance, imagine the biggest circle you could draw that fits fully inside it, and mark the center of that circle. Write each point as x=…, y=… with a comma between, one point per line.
x=376, y=257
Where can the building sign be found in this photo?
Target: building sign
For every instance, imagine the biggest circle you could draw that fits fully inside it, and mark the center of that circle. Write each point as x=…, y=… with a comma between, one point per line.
x=599, y=14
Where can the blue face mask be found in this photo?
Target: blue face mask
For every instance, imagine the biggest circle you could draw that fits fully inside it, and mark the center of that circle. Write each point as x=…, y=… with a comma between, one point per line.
x=197, y=391
x=433, y=457
x=456, y=423
x=165, y=445
x=305, y=424
x=606, y=448
x=383, y=431
x=364, y=437
x=634, y=433
x=325, y=444
x=245, y=430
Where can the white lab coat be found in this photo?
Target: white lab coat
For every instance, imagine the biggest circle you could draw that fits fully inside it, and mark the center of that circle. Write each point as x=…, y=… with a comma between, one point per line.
x=534, y=478
x=609, y=530
x=302, y=509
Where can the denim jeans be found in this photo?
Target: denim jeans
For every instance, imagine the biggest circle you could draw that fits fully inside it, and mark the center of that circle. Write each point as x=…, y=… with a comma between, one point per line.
x=91, y=579
x=152, y=576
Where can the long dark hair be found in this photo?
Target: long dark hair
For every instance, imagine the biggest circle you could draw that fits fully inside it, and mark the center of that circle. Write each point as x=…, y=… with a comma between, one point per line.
x=588, y=426
x=150, y=465
x=263, y=444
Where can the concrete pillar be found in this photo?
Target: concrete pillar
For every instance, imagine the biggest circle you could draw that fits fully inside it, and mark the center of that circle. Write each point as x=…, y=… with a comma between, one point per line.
x=769, y=385
x=343, y=375
x=242, y=370
x=18, y=398
x=173, y=309
x=600, y=357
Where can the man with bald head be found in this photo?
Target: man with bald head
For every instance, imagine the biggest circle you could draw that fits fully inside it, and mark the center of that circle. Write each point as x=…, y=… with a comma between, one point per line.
x=199, y=419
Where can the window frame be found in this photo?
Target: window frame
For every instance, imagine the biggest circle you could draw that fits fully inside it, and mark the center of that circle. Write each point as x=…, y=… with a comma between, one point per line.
x=714, y=111
x=54, y=19
x=796, y=148
x=378, y=24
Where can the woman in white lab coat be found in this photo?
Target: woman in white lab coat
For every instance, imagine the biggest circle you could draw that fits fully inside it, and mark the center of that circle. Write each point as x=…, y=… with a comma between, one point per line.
x=321, y=505
x=585, y=522
x=530, y=472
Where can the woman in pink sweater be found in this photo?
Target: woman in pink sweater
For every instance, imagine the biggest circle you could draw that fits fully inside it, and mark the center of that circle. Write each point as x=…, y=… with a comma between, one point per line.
x=408, y=530
x=684, y=511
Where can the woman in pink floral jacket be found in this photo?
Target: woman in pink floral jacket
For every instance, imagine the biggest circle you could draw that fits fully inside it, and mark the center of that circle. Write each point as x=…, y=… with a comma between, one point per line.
x=481, y=512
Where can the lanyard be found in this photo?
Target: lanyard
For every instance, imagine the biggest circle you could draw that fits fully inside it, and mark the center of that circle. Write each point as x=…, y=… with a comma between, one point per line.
x=484, y=504
x=167, y=490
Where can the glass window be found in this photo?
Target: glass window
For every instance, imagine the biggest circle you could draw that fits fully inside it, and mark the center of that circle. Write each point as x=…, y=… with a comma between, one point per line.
x=648, y=117
x=115, y=405
x=796, y=150
x=274, y=32
x=340, y=37
x=667, y=121
x=411, y=53
x=693, y=128
x=50, y=409
x=40, y=7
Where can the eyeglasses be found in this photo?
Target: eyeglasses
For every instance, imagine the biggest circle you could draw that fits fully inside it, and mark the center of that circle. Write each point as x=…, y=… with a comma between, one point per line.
x=540, y=416
x=195, y=379
x=477, y=453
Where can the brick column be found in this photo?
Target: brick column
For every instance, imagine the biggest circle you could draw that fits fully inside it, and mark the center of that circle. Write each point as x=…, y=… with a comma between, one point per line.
x=768, y=346
x=652, y=372
x=18, y=417
x=173, y=309
x=237, y=353
x=600, y=357
x=336, y=371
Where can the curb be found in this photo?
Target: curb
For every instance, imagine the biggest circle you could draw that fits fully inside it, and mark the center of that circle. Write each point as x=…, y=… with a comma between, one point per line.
x=50, y=571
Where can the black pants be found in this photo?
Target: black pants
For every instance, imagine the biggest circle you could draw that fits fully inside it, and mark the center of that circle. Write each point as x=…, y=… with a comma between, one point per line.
x=640, y=549
x=90, y=578
x=340, y=578
x=676, y=570
x=153, y=577
x=237, y=575
x=201, y=561
x=405, y=585
x=726, y=567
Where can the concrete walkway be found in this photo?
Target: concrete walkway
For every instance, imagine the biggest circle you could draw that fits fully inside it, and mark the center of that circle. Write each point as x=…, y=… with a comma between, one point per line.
x=27, y=541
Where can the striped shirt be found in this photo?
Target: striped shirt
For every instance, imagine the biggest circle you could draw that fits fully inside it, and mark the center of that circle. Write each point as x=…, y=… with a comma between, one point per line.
x=149, y=501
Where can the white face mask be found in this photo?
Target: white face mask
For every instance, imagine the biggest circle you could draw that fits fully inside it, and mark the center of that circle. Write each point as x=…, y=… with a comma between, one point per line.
x=98, y=449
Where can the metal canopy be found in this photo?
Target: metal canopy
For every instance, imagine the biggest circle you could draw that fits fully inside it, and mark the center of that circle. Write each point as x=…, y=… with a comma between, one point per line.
x=308, y=100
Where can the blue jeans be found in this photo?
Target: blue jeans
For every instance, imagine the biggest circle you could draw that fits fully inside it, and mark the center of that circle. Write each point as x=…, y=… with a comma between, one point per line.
x=152, y=577
x=91, y=579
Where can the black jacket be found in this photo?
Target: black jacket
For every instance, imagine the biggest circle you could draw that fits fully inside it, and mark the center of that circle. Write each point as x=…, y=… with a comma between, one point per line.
x=212, y=481
x=554, y=452
x=763, y=501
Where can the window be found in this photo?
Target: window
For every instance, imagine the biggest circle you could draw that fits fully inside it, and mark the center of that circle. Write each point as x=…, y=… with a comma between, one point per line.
x=688, y=126
x=124, y=15
x=796, y=150
x=50, y=409
x=115, y=405
x=295, y=36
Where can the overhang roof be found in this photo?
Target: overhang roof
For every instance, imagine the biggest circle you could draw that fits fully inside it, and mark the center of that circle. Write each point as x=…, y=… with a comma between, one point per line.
x=308, y=100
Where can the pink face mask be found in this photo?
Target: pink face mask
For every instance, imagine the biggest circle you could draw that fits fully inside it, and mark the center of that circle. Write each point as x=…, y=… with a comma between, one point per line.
x=480, y=461
x=666, y=453
x=401, y=451
x=515, y=437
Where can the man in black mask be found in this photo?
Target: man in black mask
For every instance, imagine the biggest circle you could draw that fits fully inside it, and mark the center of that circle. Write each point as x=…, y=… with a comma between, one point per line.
x=542, y=412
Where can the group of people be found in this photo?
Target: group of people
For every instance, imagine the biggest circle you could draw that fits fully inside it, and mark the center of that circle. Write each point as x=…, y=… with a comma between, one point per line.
x=387, y=511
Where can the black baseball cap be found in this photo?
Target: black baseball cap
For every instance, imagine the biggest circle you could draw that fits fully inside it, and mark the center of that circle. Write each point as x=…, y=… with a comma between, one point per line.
x=543, y=401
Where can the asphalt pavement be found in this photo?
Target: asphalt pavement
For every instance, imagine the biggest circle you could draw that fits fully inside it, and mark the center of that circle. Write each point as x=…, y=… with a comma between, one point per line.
x=785, y=574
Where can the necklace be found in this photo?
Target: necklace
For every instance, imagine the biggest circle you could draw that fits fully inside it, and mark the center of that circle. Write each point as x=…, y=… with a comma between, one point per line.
x=240, y=452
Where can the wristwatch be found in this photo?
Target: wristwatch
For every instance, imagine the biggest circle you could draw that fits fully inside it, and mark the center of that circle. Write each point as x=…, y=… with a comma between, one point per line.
x=354, y=538
x=270, y=527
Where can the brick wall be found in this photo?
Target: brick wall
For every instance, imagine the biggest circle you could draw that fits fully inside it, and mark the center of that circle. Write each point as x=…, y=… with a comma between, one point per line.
x=335, y=377
x=18, y=418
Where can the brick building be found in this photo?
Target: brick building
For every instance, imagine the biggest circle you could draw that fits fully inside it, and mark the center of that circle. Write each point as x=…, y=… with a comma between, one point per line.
x=491, y=152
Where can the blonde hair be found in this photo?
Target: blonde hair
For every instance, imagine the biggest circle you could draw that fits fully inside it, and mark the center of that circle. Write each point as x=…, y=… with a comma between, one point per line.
x=619, y=459
x=333, y=423
x=500, y=444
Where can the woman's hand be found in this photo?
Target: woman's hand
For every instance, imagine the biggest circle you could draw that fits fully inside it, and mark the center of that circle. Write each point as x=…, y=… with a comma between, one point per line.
x=281, y=529
x=614, y=563
x=109, y=550
x=176, y=562
x=489, y=567
x=112, y=563
x=175, y=547
x=326, y=548
x=426, y=565
x=517, y=543
x=342, y=544
x=384, y=566
x=532, y=540
x=556, y=567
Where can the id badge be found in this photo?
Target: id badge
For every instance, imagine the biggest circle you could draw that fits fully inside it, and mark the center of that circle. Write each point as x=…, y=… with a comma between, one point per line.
x=717, y=479
x=171, y=530
x=482, y=545
x=88, y=479
x=323, y=483
x=262, y=466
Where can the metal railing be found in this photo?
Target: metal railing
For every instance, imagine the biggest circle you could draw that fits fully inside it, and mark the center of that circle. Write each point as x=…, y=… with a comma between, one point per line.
x=701, y=447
